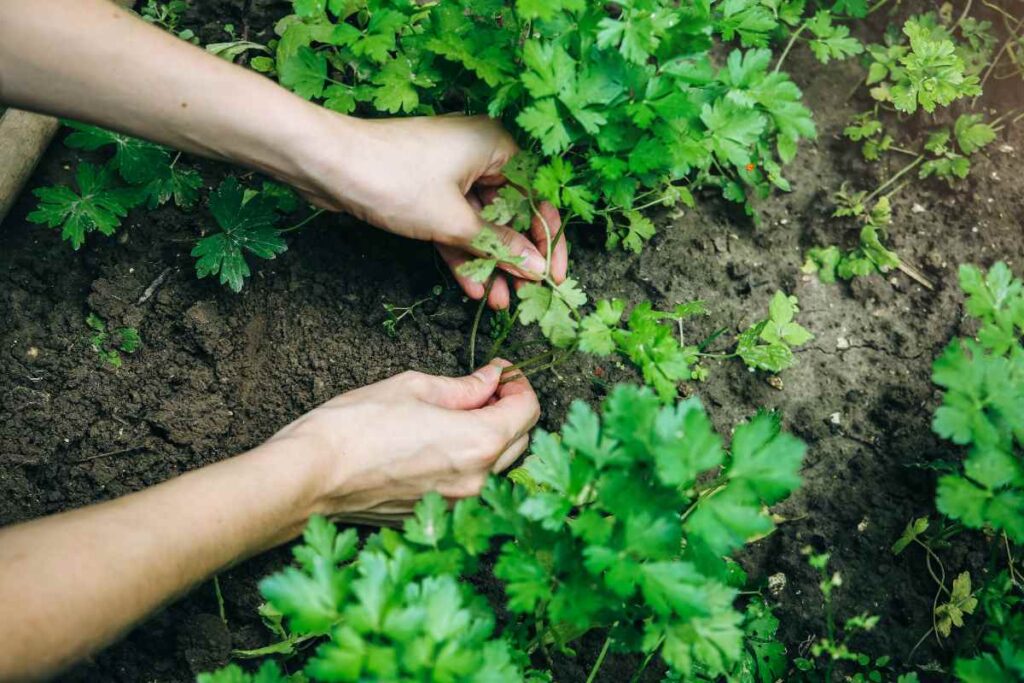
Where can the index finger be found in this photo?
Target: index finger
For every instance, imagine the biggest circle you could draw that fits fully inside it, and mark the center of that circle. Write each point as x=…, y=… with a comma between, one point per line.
x=515, y=410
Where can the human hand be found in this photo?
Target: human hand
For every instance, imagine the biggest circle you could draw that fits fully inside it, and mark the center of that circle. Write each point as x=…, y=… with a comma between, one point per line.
x=427, y=178
x=377, y=450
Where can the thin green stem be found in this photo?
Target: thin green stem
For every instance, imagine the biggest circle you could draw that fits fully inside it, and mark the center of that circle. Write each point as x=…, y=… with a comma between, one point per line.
x=600, y=659
x=902, y=172
x=647, y=660
x=476, y=321
x=877, y=6
x=220, y=600
x=963, y=15
x=789, y=45
x=305, y=220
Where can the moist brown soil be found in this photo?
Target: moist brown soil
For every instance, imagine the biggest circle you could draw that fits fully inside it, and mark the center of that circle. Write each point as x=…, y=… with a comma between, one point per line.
x=219, y=372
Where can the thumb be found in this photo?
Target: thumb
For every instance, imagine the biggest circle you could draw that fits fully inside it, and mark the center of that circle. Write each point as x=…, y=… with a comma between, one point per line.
x=463, y=393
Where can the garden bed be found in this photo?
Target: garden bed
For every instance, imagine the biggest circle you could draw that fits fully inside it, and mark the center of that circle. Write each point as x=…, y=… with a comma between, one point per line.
x=220, y=372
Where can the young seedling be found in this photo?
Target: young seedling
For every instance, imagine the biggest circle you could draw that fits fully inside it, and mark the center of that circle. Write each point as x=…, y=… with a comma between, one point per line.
x=395, y=314
x=109, y=344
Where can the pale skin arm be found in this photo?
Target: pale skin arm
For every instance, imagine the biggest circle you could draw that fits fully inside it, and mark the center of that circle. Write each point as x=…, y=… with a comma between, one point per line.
x=73, y=582
x=419, y=177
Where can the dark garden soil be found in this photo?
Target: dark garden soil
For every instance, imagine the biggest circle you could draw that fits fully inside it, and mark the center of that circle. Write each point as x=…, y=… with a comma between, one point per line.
x=219, y=372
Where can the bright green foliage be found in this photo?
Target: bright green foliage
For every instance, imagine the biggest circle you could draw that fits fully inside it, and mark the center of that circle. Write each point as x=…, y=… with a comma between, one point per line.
x=867, y=128
x=616, y=524
x=831, y=41
x=927, y=72
x=597, y=533
x=245, y=226
x=269, y=672
x=109, y=344
x=765, y=345
x=870, y=256
x=970, y=133
x=648, y=339
x=983, y=405
x=764, y=658
x=620, y=103
x=97, y=206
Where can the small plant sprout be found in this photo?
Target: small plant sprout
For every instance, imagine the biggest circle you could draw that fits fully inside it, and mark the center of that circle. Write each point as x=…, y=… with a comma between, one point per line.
x=110, y=344
x=395, y=313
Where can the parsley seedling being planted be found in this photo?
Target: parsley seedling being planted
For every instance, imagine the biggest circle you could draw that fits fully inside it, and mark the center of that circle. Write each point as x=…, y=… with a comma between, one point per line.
x=621, y=525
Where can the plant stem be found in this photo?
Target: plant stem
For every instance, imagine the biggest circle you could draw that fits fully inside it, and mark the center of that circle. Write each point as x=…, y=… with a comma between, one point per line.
x=220, y=600
x=903, y=171
x=963, y=15
x=600, y=659
x=476, y=322
x=647, y=660
x=999, y=55
x=877, y=6
x=305, y=220
x=789, y=45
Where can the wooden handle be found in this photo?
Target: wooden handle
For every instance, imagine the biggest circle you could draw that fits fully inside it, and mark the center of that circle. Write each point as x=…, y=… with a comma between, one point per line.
x=24, y=137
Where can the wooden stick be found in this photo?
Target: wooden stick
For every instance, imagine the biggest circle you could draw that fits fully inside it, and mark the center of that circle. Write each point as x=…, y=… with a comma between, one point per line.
x=24, y=137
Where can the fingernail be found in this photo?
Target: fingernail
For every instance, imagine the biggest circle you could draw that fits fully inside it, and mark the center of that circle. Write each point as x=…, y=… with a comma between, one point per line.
x=534, y=262
x=487, y=373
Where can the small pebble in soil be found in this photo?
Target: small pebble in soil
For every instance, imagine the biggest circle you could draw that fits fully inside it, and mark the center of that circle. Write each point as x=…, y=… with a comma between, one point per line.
x=863, y=526
x=31, y=354
x=917, y=208
x=835, y=418
x=1006, y=149
x=775, y=382
x=776, y=584
x=842, y=343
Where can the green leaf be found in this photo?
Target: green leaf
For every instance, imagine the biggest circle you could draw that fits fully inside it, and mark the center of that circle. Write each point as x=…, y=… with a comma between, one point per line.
x=98, y=206
x=914, y=529
x=764, y=460
x=304, y=72
x=246, y=227
x=429, y=526
x=549, y=309
x=971, y=134
x=543, y=122
x=138, y=161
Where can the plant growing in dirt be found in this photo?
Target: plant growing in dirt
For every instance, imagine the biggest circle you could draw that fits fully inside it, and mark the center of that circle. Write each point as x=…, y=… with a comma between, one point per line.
x=983, y=410
x=933, y=62
x=622, y=524
x=396, y=314
x=109, y=344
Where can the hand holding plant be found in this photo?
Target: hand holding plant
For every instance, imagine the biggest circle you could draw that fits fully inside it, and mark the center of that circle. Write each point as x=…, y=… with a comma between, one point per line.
x=378, y=449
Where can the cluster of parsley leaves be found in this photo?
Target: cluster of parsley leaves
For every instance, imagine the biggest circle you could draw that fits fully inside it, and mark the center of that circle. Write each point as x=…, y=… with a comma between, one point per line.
x=622, y=100
x=623, y=524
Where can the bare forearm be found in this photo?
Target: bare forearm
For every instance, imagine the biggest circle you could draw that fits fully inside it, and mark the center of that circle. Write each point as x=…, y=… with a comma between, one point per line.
x=72, y=583
x=93, y=61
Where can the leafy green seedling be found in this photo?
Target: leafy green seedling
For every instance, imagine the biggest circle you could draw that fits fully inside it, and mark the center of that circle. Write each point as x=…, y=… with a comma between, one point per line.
x=98, y=205
x=109, y=344
x=395, y=314
x=767, y=345
x=983, y=405
x=245, y=227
